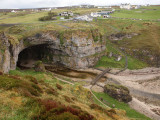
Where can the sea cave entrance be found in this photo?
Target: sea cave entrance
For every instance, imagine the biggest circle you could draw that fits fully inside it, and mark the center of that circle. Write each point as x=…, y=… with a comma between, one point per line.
x=28, y=56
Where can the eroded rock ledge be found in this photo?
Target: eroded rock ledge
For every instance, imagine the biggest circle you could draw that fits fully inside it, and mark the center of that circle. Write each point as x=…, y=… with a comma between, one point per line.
x=73, y=48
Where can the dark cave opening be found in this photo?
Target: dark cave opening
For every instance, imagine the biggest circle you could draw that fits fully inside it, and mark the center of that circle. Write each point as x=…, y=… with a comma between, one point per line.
x=28, y=56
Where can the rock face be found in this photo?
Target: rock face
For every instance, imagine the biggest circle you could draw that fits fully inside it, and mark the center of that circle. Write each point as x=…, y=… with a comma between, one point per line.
x=75, y=49
x=121, y=36
x=118, y=92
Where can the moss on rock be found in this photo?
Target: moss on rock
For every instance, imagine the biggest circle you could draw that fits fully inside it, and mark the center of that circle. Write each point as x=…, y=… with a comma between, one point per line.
x=39, y=67
x=118, y=92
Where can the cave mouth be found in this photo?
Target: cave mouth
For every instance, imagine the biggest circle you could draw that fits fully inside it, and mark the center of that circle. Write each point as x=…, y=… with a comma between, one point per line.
x=28, y=56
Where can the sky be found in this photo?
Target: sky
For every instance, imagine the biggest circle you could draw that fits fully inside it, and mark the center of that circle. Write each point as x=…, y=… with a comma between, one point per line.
x=59, y=3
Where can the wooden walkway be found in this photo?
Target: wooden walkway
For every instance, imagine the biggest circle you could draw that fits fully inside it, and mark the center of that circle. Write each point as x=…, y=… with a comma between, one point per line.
x=99, y=76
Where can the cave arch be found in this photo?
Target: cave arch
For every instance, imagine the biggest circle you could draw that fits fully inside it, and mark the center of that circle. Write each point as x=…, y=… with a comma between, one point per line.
x=28, y=56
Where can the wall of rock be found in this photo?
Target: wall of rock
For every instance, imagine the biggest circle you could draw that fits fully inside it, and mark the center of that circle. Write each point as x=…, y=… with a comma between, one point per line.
x=74, y=48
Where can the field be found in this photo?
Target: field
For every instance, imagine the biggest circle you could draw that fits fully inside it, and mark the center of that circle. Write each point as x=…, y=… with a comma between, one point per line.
x=27, y=18
x=145, y=13
x=32, y=17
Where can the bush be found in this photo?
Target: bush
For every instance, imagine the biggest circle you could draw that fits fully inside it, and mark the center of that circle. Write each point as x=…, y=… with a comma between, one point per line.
x=67, y=99
x=55, y=110
x=49, y=104
x=51, y=16
x=63, y=116
x=95, y=106
x=66, y=17
x=51, y=91
x=32, y=79
x=59, y=86
x=118, y=92
x=1, y=73
x=24, y=87
x=39, y=67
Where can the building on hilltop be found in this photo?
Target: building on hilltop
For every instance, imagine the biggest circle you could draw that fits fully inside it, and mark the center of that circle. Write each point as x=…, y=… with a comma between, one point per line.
x=87, y=6
x=136, y=6
x=107, y=7
x=66, y=13
x=95, y=14
x=87, y=18
x=13, y=11
x=105, y=14
x=129, y=6
x=126, y=6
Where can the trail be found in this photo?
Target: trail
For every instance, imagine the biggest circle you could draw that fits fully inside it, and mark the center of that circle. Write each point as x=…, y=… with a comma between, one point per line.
x=82, y=86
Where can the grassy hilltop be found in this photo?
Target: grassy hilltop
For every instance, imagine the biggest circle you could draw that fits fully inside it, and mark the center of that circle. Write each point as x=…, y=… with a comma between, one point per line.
x=146, y=13
x=146, y=40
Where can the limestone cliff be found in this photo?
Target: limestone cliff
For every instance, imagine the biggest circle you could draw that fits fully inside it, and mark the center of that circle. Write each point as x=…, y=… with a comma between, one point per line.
x=73, y=48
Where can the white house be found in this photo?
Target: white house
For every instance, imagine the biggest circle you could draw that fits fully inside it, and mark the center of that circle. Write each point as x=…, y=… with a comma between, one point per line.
x=95, y=14
x=66, y=13
x=13, y=11
x=126, y=6
x=100, y=7
x=104, y=13
x=84, y=18
x=62, y=18
x=106, y=16
x=47, y=9
x=147, y=5
x=87, y=6
x=137, y=7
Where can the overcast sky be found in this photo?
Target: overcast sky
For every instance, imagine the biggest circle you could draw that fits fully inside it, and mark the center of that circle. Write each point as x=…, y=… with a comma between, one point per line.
x=59, y=3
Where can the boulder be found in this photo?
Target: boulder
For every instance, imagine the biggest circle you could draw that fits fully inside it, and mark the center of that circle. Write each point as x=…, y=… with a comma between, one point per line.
x=39, y=67
x=118, y=92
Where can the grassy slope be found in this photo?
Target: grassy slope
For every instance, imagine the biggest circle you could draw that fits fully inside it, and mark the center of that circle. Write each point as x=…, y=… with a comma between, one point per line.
x=109, y=27
x=146, y=14
x=107, y=62
x=120, y=105
x=15, y=106
x=29, y=18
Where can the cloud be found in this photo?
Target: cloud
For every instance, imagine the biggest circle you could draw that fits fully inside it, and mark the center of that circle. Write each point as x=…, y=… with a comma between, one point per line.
x=57, y=3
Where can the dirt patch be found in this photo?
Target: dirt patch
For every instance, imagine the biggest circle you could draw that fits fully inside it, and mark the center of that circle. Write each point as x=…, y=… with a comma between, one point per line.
x=79, y=74
x=156, y=110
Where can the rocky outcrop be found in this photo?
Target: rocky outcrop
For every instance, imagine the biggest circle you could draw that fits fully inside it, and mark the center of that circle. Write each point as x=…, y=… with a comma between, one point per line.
x=74, y=48
x=8, y=53
x=121, y=36
x=118, y=92
x=149, y=57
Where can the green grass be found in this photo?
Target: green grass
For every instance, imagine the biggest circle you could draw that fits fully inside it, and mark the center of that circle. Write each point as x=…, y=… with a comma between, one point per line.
x=107, y=62
x=30, y=107
x=131, y=113
x=26, y=72
x=32, y=17
x=29, y=18
x=139, y=13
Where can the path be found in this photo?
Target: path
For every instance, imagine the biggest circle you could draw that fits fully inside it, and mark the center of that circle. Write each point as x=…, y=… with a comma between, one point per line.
x=99, y=76
x=136, y=19
x=114, y=28
x=63, y=26
x=82, y=86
